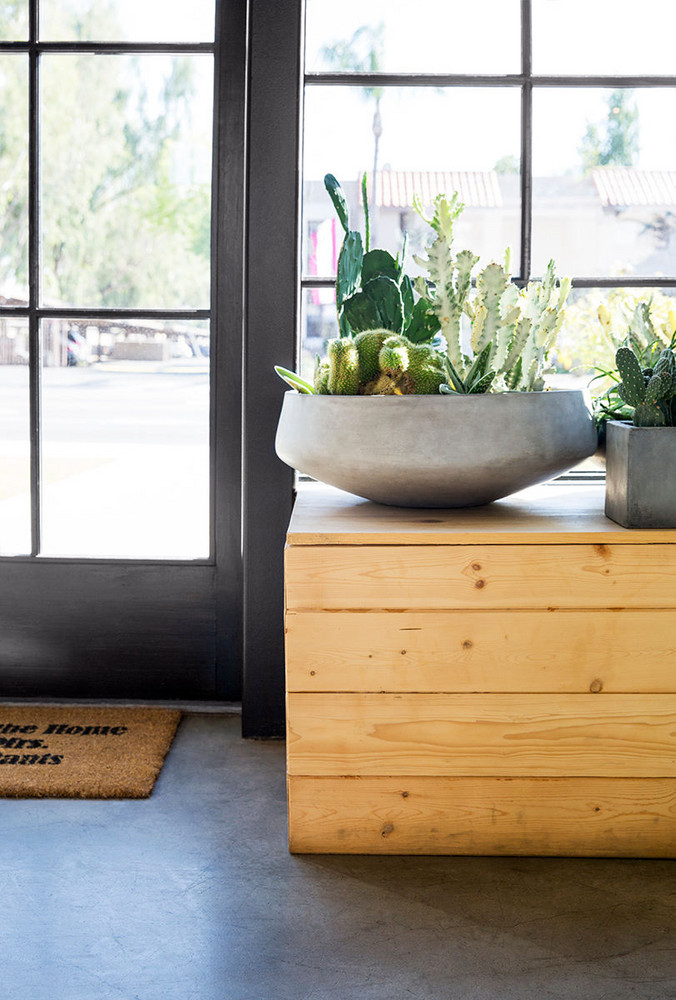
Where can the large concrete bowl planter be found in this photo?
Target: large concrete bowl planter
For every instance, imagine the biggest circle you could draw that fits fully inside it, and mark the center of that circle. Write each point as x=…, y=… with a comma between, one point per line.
x=435, y=451
x=640, y=475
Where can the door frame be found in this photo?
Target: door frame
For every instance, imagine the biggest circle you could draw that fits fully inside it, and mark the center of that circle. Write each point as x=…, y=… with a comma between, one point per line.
x=147, y=629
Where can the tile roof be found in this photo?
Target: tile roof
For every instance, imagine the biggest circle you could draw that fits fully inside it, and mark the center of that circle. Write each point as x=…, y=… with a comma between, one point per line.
x=395, y=188
x=623, y=187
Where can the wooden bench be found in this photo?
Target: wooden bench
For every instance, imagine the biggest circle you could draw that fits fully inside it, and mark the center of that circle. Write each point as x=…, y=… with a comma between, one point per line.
x=495, y=680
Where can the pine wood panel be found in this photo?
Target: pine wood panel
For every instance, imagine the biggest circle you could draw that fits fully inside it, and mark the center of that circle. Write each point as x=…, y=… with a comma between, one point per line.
x=455, y=651
x=621, y=817
x=553, y=513
x=482, y=734
x=405, y=577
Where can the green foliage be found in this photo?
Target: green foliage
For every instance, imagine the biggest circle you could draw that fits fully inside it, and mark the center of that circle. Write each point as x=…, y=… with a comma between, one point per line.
x=295, y=381
x=644, y=330
x=599, y=321
x=512, y=332
x=372, y=290
x=336, y=195
x=126, y=219
x=478, y=379
x=361, y=53
x=390, y=338
x=615, y=142
x=508, y=164
x=650, y=391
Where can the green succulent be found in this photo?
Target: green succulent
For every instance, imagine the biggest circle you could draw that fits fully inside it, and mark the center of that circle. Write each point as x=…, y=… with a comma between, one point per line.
x=650, y=391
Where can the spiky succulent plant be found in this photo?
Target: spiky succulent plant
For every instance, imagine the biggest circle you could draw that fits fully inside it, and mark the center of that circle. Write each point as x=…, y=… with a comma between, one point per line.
x=511, y=331
x=404, y=337
x=651, y=391
x=378, y=362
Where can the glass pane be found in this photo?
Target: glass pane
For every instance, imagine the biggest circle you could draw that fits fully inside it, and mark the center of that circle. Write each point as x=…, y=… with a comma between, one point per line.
x=14, y=21
x=578, y=37
x=126, y=20
x=413, y=151
x=437, y=36
x=15, y=504
x=14, y=183
x=604, y=192
x=126, y=172
x=584, y=343
x=318, y=324
x=126, y=431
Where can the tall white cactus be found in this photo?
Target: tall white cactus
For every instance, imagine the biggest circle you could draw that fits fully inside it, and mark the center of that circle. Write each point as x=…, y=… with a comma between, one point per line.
x=513, y=330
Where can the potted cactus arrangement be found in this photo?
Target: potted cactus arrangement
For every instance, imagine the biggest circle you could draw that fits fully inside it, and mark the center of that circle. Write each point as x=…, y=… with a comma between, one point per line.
x=641, y=452
x=432, y=395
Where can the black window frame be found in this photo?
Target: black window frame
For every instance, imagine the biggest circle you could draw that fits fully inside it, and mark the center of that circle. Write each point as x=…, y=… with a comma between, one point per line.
x=527, y=83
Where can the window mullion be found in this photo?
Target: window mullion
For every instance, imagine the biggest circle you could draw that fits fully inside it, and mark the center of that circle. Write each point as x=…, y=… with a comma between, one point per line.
x=34, y=339
x=526, y=140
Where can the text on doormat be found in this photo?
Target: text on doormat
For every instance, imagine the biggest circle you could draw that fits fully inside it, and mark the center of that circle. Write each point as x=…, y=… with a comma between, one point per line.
x=22, y=737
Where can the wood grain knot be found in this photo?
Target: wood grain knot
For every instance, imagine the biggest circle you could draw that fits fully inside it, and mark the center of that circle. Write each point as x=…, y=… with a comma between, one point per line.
x=467, y=644
x=387, y=830
x=312, y=673
x=476, y=567
x=403, y=652
x=596, y=686
x=479, y=584
x=404, y=795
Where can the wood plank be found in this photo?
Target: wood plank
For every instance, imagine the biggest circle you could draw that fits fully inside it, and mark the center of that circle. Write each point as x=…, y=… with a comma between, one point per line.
x=555, y=513
x=456, y=651
x=404, y=577
x=605, y=735
x=594, y=817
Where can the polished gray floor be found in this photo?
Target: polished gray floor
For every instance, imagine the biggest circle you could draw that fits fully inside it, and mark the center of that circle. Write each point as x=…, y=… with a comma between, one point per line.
x=191, y=895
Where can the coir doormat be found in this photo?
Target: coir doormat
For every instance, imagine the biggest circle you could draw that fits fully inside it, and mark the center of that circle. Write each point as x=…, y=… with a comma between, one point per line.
x=82, y=752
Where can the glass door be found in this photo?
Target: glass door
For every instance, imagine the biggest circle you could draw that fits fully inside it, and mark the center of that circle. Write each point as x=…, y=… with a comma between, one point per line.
x=112, y=140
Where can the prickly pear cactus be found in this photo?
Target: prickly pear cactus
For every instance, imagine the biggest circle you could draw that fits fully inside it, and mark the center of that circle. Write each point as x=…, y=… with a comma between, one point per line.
x=651, y=391
x=372, y=291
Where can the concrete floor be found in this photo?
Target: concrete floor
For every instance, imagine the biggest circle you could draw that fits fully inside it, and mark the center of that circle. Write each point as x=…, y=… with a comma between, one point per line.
x=191, y=895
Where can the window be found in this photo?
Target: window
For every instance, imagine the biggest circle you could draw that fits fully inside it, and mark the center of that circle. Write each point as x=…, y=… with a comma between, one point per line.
x=106, y=120
x=554, y=119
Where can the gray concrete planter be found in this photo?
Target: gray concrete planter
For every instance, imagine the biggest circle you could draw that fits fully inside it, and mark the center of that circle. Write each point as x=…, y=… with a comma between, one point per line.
x=435, y=451
x=641, y=475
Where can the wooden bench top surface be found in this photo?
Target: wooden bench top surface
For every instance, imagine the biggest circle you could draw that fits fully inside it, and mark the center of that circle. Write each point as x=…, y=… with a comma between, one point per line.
x=555, y=513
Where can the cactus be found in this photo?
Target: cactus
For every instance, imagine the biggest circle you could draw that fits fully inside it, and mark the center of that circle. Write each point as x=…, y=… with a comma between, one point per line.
x=369, y=344
x=372, y=291
x=449, y=277
x=321, y=377
x=343, y=367
x=517, y=329
x=492, y=284
x=377, y=362
x=651, y=391
x=390, y=326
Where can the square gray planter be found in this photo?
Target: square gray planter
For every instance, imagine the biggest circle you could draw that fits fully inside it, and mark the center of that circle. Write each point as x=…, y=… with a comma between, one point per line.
x=641, y=475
